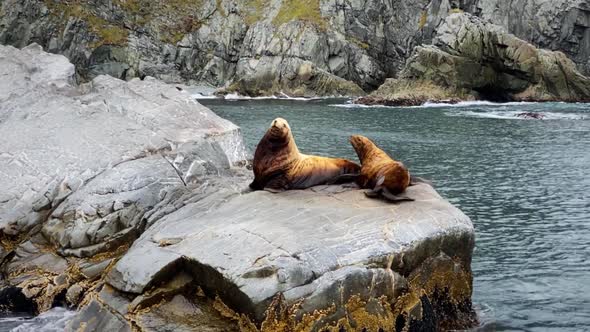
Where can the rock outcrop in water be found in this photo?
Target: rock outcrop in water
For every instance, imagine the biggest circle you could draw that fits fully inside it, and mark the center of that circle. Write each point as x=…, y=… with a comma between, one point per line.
x=300, y=47
x=126, y=201
x=471, y=59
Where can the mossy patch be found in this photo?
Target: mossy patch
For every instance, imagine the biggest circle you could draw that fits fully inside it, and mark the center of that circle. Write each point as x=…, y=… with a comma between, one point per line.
x=303, y=10
x=169, y=20
x=423, y=19
x=107, y=33
x=358, y=42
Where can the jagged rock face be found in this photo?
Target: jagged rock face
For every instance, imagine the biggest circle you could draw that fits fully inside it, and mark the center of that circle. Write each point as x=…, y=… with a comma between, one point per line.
x=85, y=169
x=93, y=160
x=555, y=25
x=261, y=45
x=472, y=59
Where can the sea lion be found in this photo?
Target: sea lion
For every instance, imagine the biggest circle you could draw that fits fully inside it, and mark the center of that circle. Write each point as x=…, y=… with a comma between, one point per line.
x=379, y=172
x=278, y=165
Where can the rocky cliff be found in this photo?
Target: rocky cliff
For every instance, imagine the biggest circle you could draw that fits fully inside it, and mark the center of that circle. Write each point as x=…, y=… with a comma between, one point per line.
x=300, y=47
x=129, y=202
x=473, y=59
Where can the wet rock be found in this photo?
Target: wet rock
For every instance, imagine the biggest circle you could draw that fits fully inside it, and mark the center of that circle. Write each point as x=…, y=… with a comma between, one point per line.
x=96, y=317
x=74, y=294
x=180, y=314
x=12, y=299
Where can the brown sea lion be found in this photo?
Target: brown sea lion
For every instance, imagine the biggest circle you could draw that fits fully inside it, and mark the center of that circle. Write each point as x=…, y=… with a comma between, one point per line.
x=278, y=164
x=379, y=172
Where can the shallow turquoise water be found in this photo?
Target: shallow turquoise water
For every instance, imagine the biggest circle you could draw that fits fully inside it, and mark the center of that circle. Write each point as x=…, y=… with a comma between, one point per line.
x=524, y=183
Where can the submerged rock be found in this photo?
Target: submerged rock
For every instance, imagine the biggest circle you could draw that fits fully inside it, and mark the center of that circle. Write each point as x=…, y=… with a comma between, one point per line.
x=123, y=201
x=471, y=59
x=531, y=115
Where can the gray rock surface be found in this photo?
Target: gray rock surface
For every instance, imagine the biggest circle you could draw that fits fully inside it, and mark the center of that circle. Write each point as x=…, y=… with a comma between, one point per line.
x=85, y=168
x=122, y=201
x=473, y=59
x=220, y=42
x=94, y=159
x=317, y=246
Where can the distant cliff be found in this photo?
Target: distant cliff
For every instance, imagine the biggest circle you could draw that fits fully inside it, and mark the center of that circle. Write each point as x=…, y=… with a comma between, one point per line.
x=300, y=47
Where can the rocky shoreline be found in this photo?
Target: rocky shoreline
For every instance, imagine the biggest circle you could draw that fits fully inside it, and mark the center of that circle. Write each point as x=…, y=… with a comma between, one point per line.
x=126, y=201
x=474, y=60
x=264, y=47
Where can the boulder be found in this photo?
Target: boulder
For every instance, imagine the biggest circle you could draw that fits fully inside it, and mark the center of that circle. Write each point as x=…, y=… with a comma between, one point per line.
x=327, y=249
x=93, y=159
x=129, y=202
x=472, y=59
x=85, y=168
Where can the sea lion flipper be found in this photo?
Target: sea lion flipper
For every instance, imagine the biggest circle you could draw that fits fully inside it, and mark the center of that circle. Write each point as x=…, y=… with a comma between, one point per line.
x=395, y=198
x=344, y=178
x=416, y=179
x=273, y=190
x=372, y=193
x=276, y=184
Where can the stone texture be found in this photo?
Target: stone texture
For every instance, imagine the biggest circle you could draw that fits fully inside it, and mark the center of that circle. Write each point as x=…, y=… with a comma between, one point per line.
x=96, y=158
x=219, y=42
x=122, y=200
x=472, y=59
x=318, y=246
x=85, y=168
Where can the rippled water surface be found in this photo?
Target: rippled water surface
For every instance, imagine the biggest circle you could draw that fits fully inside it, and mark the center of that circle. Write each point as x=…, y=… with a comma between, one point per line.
x=524, y=183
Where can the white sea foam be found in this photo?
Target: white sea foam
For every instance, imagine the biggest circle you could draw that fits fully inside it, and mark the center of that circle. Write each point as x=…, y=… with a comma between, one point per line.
x=513, y=115
x=201, y=96
x=54, y=320
x=351, y=105
x=434, y=105
x=281, y=96
x=475, y=103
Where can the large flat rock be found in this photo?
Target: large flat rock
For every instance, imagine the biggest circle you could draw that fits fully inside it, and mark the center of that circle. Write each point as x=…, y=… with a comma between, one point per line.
x=320, y=245
x=88, y=162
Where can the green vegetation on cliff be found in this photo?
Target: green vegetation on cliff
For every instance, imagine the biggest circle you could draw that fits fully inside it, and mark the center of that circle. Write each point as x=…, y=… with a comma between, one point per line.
x=304, y=10
x=171, y=19
x=107, y=33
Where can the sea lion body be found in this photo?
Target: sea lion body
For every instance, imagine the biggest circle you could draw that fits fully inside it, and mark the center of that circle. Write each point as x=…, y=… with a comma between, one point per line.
x=379, y=172
x=278, y=164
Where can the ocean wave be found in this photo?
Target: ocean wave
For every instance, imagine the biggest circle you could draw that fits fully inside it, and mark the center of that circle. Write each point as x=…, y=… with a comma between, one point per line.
x=437, y=104
x=475, y=103
x=201, y=96
x=235, y=96
x=513, y=115
x=53, y=320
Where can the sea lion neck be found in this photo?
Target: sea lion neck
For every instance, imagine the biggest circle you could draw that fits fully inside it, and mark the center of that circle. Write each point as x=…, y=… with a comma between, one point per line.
x=282, y=143
x=363, y=147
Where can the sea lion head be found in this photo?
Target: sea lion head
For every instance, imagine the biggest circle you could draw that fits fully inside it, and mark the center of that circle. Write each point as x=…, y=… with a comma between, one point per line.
x=279, y=129
x=361, y=145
